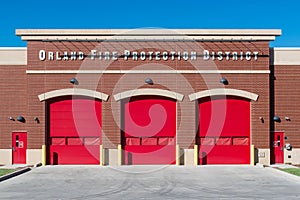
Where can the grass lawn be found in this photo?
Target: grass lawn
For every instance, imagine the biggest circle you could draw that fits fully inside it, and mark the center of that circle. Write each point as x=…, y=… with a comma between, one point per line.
x=6, y=171
x=295, y=171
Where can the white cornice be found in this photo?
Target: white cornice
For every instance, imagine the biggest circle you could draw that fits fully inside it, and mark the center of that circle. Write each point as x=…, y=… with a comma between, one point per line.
x=223, y=91
x=286, y=56
x=13, y=48
x=275, y=32
x=73, y=91
x=149, y=34
x=13, y=56
x=148, y=91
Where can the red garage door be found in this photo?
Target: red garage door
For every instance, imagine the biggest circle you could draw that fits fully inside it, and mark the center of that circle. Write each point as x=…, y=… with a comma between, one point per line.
x=149, y=135
x=74, y=134
x=224, y=131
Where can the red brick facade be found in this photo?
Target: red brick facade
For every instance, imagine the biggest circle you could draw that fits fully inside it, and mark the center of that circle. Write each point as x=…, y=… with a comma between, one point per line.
x=41, y=83
x=277, y=90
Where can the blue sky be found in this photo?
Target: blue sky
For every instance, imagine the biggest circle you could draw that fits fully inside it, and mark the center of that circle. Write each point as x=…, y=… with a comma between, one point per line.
x=202, y=14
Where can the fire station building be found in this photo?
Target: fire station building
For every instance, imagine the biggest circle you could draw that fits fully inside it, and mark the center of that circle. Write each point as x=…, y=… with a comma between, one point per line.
x=149, y=96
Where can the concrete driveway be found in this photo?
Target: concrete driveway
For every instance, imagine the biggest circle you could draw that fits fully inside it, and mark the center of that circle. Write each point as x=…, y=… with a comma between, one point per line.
x=151, y=182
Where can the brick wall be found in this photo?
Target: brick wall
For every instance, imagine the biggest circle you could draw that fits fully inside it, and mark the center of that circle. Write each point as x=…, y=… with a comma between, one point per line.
x=286, y=102
x=13, y=98
x=24, y=93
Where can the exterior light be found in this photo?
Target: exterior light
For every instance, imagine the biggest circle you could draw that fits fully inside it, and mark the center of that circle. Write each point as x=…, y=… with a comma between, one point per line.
x=11, y=118
x=21, y=119
x=36, y=119
x=149, y=81
x=224, y=81
x=74, y=81
x=288, y=147
x=287, y=118
x=262, y=119
x=276, y=119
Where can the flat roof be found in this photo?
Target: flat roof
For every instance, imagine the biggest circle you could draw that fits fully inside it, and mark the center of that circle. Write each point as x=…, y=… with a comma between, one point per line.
x=156, y=34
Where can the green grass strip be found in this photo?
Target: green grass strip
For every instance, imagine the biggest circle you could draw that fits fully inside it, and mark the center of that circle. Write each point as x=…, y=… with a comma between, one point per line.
x=295, y=171
x=6, y=171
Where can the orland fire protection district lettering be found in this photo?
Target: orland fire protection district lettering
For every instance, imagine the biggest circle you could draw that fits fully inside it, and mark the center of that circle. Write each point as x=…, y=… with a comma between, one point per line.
x=148, y=55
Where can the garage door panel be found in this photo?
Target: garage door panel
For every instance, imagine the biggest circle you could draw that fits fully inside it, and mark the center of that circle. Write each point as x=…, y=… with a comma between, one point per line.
x=149, y=141
x=152, y=154
x=166, y=141
x=224, y=141
x=224, y=155
x=133, y=141
x=72, y=115
x=149, y=130
x=58, y=141
x=241, y=141
x=224, y=131
x=224, y=117
x=150, y=117
x=74, y=130
x=92, y=141
x=74, y=141
x=148, y=134
x=74, y=154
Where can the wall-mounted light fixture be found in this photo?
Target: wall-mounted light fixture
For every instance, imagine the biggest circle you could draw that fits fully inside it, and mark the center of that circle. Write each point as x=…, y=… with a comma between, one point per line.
x=261, y=119
x=74, y=81
x=224, y=81
x=149, y=81
x=11, y=118
x=287, y=118
x=276, y=119
x=21, y=119
x=36, y=119
x=288, y=147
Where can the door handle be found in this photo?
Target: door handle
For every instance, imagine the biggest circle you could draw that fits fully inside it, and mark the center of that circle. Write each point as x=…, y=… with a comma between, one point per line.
x=12, y=148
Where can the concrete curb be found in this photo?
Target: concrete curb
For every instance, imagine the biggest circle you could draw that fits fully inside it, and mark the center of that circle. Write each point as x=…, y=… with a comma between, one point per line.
x=13, y=174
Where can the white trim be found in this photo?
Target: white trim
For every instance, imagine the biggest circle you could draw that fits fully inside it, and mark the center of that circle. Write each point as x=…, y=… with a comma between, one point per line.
x=148, y=31
x=287, y=63
x=13, y=56
x=148, y=34
x=13, y=48
x=73, y=91
x=223, y=91
x=286, y=48
x=148, y=38
x=286, y=56
x=148, y=71
x=148, y=91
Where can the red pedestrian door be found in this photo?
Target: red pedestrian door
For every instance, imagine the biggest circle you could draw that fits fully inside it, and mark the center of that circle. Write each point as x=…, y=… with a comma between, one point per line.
x=277, y=148
x=19, y=146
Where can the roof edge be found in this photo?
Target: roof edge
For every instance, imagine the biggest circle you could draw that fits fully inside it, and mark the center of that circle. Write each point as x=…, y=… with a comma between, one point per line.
x=242, y=32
